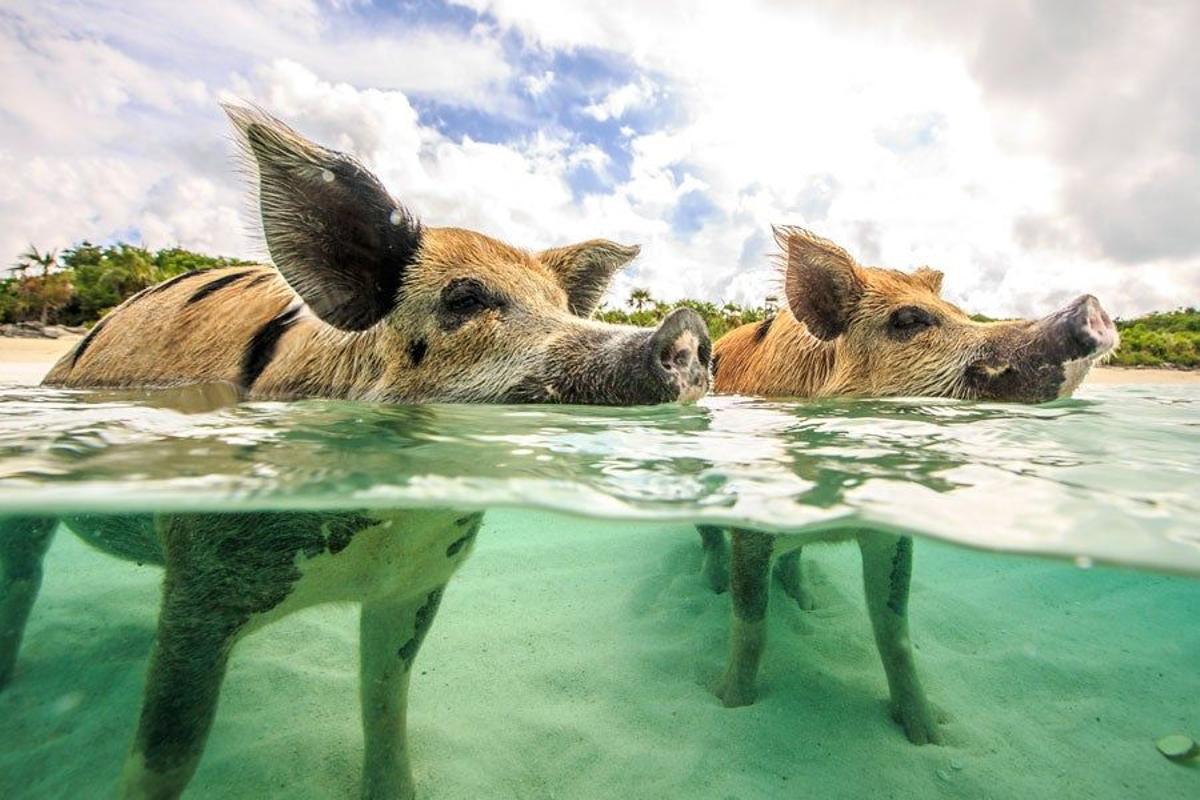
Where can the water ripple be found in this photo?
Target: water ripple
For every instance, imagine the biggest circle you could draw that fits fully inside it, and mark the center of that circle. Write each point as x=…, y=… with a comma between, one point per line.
x=1113, y=476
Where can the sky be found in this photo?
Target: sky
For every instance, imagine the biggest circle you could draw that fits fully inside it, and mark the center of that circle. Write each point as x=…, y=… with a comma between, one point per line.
x=1032, y=151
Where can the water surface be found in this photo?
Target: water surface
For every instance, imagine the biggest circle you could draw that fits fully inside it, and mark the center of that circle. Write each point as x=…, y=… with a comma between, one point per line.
x=1112, y=476
x=573, y=657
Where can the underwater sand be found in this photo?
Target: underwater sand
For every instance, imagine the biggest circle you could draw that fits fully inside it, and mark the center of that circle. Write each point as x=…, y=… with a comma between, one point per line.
x=570, y=660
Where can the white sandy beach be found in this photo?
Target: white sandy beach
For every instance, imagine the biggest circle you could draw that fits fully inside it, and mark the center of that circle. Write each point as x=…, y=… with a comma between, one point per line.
x=570, y=660
x=26, y=361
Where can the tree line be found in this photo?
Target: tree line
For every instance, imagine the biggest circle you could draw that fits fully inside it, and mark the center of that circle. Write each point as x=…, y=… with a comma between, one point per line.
x=82, y=283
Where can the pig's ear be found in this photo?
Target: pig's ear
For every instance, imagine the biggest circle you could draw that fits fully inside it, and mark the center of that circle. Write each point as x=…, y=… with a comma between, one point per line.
x=585, y=270
x=928, y=277
x=821, y=281
x=333, y=231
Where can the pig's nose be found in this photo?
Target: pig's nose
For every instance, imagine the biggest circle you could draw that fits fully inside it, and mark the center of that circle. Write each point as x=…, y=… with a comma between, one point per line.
x=1087, y=323
x=680, y=350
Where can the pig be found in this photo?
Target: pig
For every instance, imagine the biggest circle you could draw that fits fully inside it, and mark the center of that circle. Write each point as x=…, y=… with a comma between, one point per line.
x=856, y=331
x=363, y=303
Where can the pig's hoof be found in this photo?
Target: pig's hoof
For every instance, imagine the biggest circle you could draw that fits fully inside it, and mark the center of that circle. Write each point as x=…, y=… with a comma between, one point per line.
x=734, y=693
x=918, y=723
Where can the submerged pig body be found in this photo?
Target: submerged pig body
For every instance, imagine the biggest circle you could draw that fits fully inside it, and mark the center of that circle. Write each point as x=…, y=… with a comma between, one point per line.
x=857, y=331
x=362, y=303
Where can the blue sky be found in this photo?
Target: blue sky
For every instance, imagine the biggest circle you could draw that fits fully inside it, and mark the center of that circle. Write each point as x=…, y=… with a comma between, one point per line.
x=1021, y=149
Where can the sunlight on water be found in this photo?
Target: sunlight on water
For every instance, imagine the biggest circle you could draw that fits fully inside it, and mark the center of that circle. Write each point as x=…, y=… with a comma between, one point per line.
x=1110, y=477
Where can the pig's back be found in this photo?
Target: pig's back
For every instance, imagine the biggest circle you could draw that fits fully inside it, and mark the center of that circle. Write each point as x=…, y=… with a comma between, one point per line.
x=198, y=327
x=773, y=358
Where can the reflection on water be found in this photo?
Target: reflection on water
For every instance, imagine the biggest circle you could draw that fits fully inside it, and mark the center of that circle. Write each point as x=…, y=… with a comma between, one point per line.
x=1109, y=477
x=1044, y=679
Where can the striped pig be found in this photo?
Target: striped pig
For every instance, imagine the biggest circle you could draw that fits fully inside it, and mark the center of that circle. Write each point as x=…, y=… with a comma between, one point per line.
x=851, y=330
x=362, y=303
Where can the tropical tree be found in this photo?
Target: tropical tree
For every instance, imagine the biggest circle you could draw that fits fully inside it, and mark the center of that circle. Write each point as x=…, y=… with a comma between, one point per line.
x=47, y=260
x=44, y=293
x=638, y=298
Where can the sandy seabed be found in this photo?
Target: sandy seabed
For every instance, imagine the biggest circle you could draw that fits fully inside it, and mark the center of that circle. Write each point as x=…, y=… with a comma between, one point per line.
x=571, y=659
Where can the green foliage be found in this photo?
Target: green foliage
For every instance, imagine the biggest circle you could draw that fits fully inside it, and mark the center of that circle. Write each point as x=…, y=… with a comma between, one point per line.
x=648, y=312
x=1167, y=338
x=87, y=281
x=37, y=295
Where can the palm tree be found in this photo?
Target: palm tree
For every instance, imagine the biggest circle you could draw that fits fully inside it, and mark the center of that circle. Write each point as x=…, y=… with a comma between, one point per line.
x=32, y=256
x=46, y=291
x=638, y=298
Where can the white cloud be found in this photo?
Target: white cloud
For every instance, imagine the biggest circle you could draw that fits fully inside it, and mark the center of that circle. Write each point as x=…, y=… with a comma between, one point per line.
x=537, y=85
x=518, y=191
x=951, y=135
x=213, y=38
x=909, y=141
x=110, y=117
x=623, y=98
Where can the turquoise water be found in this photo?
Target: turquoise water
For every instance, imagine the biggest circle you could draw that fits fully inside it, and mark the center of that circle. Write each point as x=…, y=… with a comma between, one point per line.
x=575, y=652
x=1113, y=476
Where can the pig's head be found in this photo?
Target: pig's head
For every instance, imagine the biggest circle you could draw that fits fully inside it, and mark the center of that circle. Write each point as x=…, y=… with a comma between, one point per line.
x=459, y=316
x=893, y=334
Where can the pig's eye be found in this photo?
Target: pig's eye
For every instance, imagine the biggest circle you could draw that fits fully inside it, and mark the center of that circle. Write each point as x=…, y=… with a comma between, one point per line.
x=909, y=321
x=462, y=299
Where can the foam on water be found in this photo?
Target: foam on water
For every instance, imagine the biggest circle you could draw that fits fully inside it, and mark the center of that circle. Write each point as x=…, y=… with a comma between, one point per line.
x=1110, y=477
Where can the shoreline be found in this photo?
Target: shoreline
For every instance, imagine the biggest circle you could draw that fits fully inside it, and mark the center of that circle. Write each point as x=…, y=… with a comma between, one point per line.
x=24, y=362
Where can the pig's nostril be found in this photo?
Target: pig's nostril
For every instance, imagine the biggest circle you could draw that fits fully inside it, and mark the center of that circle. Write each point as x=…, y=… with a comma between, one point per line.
x=678, y=359
x=679, y=354
x=680, y=339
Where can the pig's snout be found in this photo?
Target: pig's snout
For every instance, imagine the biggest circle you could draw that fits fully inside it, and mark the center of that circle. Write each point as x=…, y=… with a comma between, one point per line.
x=679, y=352
x=623, y=366
x=1083, y=327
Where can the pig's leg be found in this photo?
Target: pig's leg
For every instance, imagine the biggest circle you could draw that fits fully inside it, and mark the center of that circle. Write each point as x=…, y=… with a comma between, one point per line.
x=750, y=581
x=23, y=544
x=887, y=570
x=187, y=666
x=391, y=631
x=716, y=557
x=788, y=573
